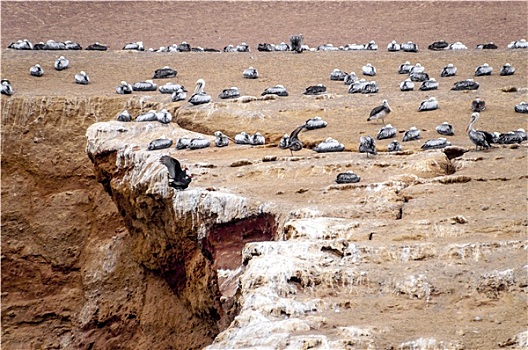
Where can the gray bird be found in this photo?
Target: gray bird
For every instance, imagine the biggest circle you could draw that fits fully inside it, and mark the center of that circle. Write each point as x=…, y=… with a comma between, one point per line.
x=179, y=178
x=367, y=145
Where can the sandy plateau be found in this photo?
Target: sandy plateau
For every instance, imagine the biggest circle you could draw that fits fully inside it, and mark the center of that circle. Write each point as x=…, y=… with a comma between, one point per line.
x=263, y=250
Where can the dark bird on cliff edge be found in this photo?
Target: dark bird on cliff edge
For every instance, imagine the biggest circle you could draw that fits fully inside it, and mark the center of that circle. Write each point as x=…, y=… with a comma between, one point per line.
x=178, y=178
x=294, y=144
x=478, y=105
x=480, y=138
x=367, y=145
x=380, y=112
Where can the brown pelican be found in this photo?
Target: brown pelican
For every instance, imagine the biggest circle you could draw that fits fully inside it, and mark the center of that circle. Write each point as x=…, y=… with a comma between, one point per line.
x=369, y=70
x=485, y=69
x=278, y=90
x=124, y=116
x=198, y=143
x=478, y=137
x=147, y=85
x=448, y=71
x=21, y=45
x=257, y=139
x=221, y=140
x=61, y=63
x=178, y=178
x=97, y=46
x=199, y=96
x=380, y=112
x=488, y=46
x=315, y=123
x=329, y=145
x=124, y=88
x=367, y=145
x=159, y=144
x=296, y=43
x=138, y=46
x=478, y=105
x=7, y=89
x=250, y=73
x=338, y=74
x=445, y=129
x=393, y=46
x=179, y=95
x=386, y=132
x=315, y=90
x=242, y=138
x=438, y=45
x=468, y=84
x=507, y=69
x=169, y=88
x=347, y=178
x=521, y=107
x=82, y=78
x=418, y=76
x=412, y=134
x=440, y=142
x=430, y=84
x=36, y=70
x=394, y=146
x=292, y=141
x=164, y=116
x=232, y=92
x=405, y=68
x=163, y=73
x=428, y=105
x=350, y=78
x=407, y=85
x=457, y=46
x=409, y=47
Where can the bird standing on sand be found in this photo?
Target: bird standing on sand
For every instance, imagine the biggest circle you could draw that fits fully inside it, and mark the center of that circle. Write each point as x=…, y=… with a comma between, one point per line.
x=293, y=142
x=367, y=145
x=480, y=138
x=178, y=178
x=380, y=112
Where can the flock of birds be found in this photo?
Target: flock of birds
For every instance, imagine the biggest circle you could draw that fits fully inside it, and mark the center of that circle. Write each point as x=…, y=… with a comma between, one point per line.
x=180, y=178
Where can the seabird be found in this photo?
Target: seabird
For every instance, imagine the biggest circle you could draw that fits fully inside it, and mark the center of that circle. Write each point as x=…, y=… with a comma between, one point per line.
x=179, y=95
x=242, y=138
x=448, y=71
x=7, y=89
x=265, y=47
x=21, y=45
x=338, y=74
x=278, y=90
x=418, y=76
x=124, y=116
x=315, y=123
x=169, y=88
x=138, y=46
x=232, y=92
x=36, y=70
x=407, y=85
x=510, y=137
x=229, y=48
x=357, y=87
x=184, y=47
x=350, y=78
x=347, y=178
x=54, y=45
x=82, y=78
x=488, y=46
x=409, y=47
x=468, y=84
x=370, y=87
x=438, y=45
x=393, y=46
x=478, y=137
x=445, y=129
x=149, y=116
x=159, y=144
x=284, y=141
x=71, y=45
x=183, y=143
x=417, y=68
x=199, y=96
x=257, y=139
x=405, y=68
x=124, y=88
x=61, y=63
x=430, y=84
x=164, y=116
x=329, y=145
x=412, y=134
x=367, y=145
x=478, y=105
x=394, y=146
x=282, y=47
x=296, y=43
x=328, y=47
x=199, y=143
x=178, y=178
x=250, y=73
x=507, y=69
x=315, y=90
x=292, y=142
x=521, y=44
x=521, y=107
x=369, y=70
x=221, y=140
x=242, y=47
x=428, y=105
x=380, y=112
x=440, y=142
x=164, y=73
x=371, y=46
x=484, y=69
x=97, y=47
x=147, y=85
x=457, y=46
x=386, y=132
x=523, y=134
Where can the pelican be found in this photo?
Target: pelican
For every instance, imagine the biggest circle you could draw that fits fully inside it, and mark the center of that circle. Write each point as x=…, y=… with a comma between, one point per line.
x=445, y=129
x=284, y=141
x=315, y=90
x=347, y=178
x=507, y=69
x=457, y=46
x=468, y=84
x=521, y=107
x=371, y=46
x=164, y=116
x=21, y=45
x=386, y=132
x=163, y=73
x=412, y=134
x=36, y=70
x=232, y=92
x=448, y=71
x=296, y=43
x=393, y=46
x=184, y=47
x=124, y=116
x=407, y=85
x=257, y=139
x=438, y=45
x=478, y=137
x=278, y=90
x=409, y=47
x=350, y=78
x=338, y=74
x=124, y=88
x=199, y=97
x=394, y=146
x=440, y=142
x=370, y=88
x=82, y=78
x=484, y=69
x=380, y=112
x=169, y=88
x=329, y=145
x=292, y=141
x=147, y=85
x=250, y=73
x=149, y=116
x=97, y=46
x=179, y=95
x=357, y=87
x=221, y=140
x=242, y=139
x=7, y=89
x=405, y=68
x=367, y=145
x=61, y=63
x=428, y=105
x=430, y=84
x=510, y=137
x=198, y=143
x=418, y=68
x=369, y=70
x=418, y=76
x=488, y=46
x=315, y=123
x=478, y=105
x=138, y=46
x=71, y=45
x=282, y=47
x=242, y=47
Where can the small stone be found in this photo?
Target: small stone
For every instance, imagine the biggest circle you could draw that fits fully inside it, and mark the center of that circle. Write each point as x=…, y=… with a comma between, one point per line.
x=459, y=219
x=269, y=158
x=485, y=207
x=478, y=319
x=241, y=162
x=279, y=192
x=302, y=190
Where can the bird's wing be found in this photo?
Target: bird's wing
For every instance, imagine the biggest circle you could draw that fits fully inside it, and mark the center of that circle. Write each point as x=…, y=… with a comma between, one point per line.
x=376, y=110
x=173, y=165
x=297, y=131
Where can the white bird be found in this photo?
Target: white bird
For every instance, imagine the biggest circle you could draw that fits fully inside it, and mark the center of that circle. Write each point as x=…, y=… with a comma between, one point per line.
x=428, y=105
x=369, y=70
x=407, y=85
x=412, y=134
x=82, y=78
x=484, y=69
x=250, y=73
x=448, y=71
x=61, y=63
x=393, y=46
x=199, y=96
x=36, y=70
x=507, y=69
